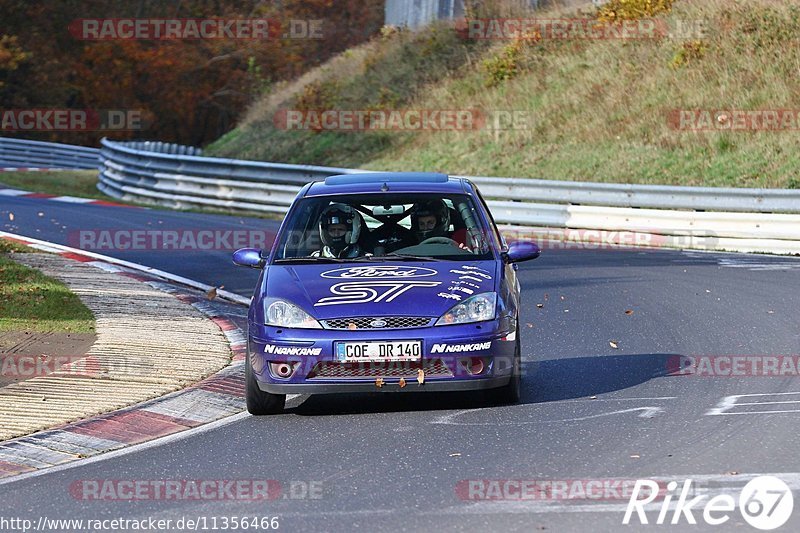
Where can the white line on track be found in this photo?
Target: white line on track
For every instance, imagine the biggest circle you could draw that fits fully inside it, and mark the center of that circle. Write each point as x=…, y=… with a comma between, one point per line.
x=730, y=402
x=161, y=441
x=131, y=449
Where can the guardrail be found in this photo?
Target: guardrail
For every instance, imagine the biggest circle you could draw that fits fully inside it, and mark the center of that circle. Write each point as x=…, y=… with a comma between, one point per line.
x=21, y=153
x=765, y=220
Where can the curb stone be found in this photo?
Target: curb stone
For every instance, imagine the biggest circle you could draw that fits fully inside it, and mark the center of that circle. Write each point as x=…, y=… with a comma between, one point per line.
x=213, y=398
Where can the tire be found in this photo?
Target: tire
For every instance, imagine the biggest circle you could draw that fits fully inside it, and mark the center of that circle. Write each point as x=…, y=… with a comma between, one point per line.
x=510, y=394
x=260, y=402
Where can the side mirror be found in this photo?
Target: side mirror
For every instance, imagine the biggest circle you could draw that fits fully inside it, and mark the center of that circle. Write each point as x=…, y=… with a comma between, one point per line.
x=521, y=251
x=249, y=257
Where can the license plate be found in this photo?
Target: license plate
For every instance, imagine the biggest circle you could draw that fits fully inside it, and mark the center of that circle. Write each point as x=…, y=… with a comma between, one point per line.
x=356, y=352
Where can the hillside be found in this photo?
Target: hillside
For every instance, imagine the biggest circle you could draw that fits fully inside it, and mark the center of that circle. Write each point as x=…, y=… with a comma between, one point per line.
x=603, y=109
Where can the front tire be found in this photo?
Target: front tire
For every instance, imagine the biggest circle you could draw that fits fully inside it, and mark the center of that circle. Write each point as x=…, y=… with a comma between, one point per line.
x=510, y=393
x=260, y=402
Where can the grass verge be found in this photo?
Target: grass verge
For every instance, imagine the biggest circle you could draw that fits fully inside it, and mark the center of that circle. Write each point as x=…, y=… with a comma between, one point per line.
x=597, y=110
x=83, y=184
x=31, y=301
x=80, y=183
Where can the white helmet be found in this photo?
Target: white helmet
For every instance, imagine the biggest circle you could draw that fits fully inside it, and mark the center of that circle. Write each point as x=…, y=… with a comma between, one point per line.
x=340, y=214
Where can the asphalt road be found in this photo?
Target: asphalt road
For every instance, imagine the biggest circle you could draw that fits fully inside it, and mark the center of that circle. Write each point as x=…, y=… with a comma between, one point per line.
x=589, y=411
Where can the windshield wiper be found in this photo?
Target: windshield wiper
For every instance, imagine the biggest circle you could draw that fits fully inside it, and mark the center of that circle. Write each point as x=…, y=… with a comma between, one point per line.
x=408, y=257
x=367, y=257
x=392, y=256
x=309, y=260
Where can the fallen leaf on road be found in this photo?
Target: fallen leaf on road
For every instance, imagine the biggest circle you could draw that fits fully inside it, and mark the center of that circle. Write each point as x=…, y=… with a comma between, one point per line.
x=613, y=344
x=629, y=311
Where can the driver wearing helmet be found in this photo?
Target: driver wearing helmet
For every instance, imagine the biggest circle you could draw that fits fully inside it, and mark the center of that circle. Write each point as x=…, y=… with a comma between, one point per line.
x=430, y=219
x=339, y=228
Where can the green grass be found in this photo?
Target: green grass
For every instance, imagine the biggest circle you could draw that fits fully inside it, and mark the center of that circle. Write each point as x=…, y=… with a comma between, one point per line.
x=31, y=301
x=81, y=183
x=598, y=109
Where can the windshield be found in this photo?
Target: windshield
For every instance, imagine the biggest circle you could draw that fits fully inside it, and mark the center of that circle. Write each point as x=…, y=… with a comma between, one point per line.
x=373, y=226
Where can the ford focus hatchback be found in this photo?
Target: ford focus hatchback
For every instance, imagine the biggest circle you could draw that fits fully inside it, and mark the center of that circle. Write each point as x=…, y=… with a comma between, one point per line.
x=390, y=282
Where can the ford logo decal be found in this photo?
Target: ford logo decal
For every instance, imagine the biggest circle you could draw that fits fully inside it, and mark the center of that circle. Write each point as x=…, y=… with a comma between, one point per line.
x=379, y=272
x=378, y=323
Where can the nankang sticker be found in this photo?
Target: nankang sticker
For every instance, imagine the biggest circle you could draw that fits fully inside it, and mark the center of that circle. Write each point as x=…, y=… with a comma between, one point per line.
x=471, y=272
x=449, y=296
x=291, y=350
x=467, y=267
x=379, y=272
x=459, y=348
x=362, y=292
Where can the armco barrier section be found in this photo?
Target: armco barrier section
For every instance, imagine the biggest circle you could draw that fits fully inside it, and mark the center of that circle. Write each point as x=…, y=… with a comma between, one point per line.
x=21, y=153
x=735, y=219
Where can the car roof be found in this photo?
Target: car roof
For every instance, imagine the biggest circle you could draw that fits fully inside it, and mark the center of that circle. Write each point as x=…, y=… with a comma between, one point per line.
x=382, y=182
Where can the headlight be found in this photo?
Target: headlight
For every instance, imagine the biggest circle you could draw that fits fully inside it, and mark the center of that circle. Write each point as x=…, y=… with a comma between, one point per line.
x=287, y=315
x=476, y=308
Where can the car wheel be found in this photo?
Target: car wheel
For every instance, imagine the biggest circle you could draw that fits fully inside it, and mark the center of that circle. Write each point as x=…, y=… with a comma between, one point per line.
x=510, y=393
x=258, y=401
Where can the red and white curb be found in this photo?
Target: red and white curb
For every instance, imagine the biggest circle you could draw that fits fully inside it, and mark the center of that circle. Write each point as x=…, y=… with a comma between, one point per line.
x=212, y=399
x=17, y=193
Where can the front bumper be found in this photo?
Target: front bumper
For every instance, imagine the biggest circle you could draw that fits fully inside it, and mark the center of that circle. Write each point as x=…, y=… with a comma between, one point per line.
x=446, y=355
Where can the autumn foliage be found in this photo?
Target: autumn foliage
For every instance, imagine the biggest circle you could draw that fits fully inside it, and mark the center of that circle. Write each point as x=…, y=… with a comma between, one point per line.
x=189, y=91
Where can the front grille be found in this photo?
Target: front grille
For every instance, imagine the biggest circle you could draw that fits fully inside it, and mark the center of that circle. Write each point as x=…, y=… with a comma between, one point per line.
x=390, y=322
x=389, y=369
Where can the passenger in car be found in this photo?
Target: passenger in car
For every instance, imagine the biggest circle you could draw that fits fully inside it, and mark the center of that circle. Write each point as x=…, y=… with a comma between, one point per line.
x=430, y=219
x=433, y=219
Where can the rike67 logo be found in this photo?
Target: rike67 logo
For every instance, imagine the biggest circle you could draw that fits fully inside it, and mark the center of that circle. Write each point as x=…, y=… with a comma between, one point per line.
x=765, y=503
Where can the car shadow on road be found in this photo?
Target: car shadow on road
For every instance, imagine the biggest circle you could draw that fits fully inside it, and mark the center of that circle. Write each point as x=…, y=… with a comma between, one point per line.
x=543, y=381
x=580, y=377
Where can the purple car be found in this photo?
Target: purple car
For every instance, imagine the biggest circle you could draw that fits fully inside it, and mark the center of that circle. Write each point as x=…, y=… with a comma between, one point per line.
x=391, y=282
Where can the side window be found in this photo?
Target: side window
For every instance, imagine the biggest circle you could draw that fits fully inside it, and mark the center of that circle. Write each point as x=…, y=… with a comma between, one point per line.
x=499, y=240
